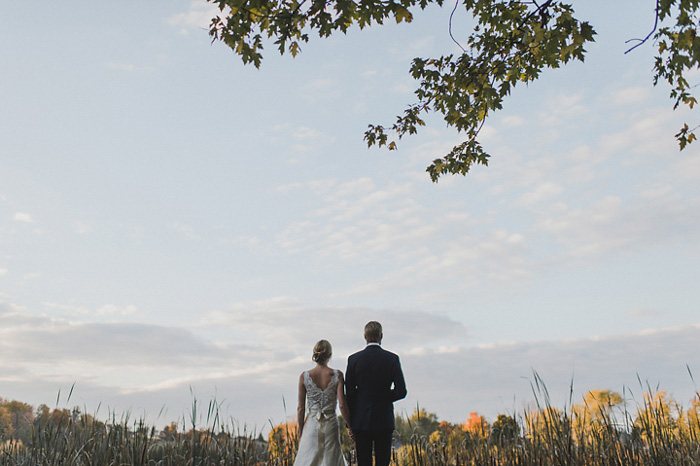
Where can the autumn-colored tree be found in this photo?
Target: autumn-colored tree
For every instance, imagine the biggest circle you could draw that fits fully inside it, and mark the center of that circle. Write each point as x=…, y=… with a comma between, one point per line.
x=597, y=412
x=476, y=425
x=6, y=429
x=43, y=413
x=601, y=402
x=420, y=423
x=546, y=423
x=88, y=421
x=60, y=417
x=169, y=432
x=694, y=413
x=446, y=428
x=505, y=430
x=282, y=443
x=655, y=419
x=22, y=418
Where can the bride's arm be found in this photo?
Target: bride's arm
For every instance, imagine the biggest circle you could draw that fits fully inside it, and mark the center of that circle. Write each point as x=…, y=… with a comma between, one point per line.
x=343, y=404
x=301, y=405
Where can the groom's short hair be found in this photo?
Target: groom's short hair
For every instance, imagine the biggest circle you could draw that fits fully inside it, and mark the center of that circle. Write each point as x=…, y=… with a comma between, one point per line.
x=373, y=332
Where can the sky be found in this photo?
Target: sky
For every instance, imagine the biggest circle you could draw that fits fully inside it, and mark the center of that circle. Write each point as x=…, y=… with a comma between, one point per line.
x=178, y=228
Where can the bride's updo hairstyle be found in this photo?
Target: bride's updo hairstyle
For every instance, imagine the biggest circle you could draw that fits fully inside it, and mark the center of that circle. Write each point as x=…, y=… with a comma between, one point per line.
x=322, y=352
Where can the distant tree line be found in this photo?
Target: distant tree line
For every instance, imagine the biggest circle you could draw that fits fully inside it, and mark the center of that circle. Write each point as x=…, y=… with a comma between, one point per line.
x=19, y=422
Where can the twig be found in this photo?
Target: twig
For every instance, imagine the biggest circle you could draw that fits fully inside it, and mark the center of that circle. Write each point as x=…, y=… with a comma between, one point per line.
x=642, y=41
x=450, y=27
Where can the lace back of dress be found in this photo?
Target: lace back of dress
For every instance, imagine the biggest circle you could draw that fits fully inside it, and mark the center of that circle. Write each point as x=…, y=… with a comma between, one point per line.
x=321, y=400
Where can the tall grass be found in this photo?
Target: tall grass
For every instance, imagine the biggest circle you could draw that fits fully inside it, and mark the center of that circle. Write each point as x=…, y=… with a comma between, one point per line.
x=658, y=433
x=85, y=441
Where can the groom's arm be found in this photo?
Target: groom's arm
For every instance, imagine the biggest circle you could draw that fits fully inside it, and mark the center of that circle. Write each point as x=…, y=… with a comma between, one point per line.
x=399, y=390
x=350, y=385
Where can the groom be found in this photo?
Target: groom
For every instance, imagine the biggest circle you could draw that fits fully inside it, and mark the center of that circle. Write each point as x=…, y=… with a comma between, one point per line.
x=373, y=381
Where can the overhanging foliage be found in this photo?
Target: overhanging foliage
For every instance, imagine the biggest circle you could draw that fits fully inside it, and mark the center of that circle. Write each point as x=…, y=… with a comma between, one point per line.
x=512, y=43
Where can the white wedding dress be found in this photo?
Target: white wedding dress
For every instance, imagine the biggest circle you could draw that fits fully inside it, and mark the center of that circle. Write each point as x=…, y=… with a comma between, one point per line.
x=319, y=444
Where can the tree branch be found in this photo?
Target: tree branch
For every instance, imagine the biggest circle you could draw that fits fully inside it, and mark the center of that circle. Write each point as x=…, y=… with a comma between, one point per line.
x=642, y=41
x=450, y=27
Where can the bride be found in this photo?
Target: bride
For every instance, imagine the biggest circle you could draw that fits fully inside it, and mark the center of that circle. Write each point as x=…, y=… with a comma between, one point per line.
x=319, y=434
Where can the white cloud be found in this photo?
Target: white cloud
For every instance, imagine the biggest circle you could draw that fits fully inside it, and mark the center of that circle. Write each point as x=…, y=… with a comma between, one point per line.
x=410, y=244
x=3, y=272
x=542, y=192
x=480, y=264
x=198, y=16
x=561, y=108
x=610, y=223
x=627, y=191
x=404, y=52
x=489, y=135
x=301, y=139
x=23, y=217
x=303, y=133
x=31, y=276
x=512, y=121
x=287, y=188
x=686, y=167
x=630, y=96
x=369, y=74
x=285, y=323
x=357, y=220
x=648, y=132
x=54, y=341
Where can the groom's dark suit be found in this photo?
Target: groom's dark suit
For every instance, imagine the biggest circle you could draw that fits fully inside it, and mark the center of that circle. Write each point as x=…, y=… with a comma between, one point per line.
x=373, y=381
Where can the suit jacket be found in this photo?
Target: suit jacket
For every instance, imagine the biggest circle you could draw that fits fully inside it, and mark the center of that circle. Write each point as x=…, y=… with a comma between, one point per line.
x=373, y=381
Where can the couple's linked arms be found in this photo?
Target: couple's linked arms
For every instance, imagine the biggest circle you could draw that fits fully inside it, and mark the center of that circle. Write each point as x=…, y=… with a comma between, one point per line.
x=343, y=404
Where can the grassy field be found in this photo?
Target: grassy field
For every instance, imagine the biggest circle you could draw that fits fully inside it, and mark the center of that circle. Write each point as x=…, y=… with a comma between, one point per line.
x=599, y=431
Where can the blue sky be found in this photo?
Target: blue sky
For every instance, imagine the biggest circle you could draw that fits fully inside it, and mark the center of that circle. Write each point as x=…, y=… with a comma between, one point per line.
x=172, y=219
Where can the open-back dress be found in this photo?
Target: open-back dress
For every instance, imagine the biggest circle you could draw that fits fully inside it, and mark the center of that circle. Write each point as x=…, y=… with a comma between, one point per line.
x=319, y=444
